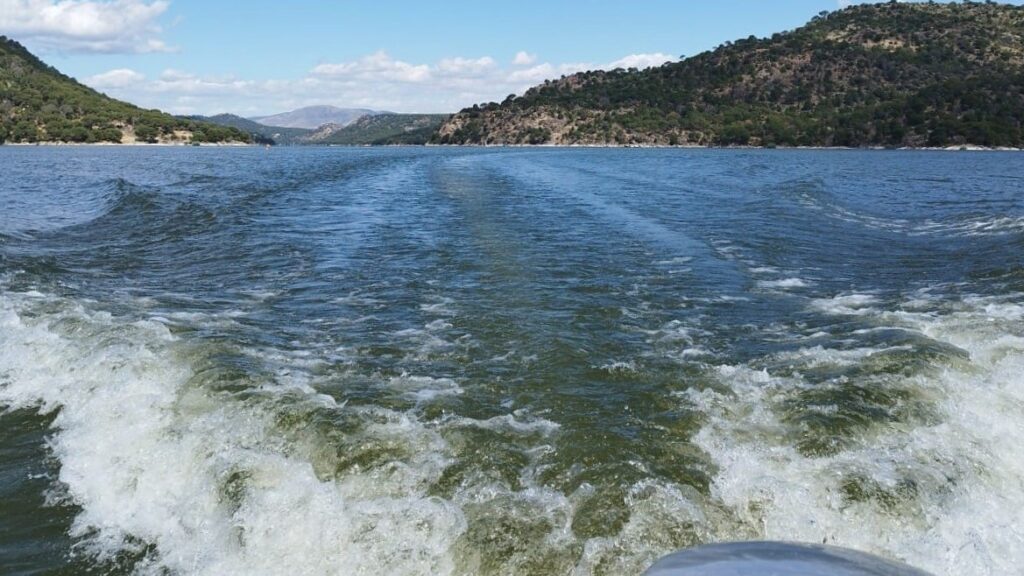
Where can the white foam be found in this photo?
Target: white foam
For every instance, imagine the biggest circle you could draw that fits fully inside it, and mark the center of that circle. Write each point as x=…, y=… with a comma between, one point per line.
x=219, y=489
x=438, y=324
x=817, y=356
x=145, y=454
x=783, y=283
x=619, y=367
x=675, y=261
x=974, y=226
x=964, y=511
x=261, y=295
x=441, y=306
x=673, y=332
x=358, y=299
x=424, y=388
x=519, y=422
x=427, y=340
x=851, y=304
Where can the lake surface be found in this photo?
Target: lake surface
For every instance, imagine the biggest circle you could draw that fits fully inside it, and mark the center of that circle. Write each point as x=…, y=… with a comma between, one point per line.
x=517, y=361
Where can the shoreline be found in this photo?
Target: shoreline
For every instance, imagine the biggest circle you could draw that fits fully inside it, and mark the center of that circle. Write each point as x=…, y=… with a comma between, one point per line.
x=953, y=148
x=123, y=144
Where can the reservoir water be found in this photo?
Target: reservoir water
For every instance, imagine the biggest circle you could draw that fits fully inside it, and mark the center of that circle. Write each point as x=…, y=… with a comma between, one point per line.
x=506, y=361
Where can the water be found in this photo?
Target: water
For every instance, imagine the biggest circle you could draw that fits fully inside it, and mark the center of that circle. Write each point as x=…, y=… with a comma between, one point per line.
x=459, y=361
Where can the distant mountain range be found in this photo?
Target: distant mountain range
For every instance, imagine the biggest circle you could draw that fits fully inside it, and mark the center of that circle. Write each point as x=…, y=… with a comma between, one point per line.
x=892, y=74
x=39, y=104
x=368, y=130
x=262, y=134
x=379, y=129
x=312, y=117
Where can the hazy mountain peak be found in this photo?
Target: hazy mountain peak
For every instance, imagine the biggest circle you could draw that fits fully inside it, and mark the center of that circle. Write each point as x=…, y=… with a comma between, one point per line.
x=315, y=116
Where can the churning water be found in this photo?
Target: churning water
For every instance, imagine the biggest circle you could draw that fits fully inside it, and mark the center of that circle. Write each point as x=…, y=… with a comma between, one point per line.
x=520, y=361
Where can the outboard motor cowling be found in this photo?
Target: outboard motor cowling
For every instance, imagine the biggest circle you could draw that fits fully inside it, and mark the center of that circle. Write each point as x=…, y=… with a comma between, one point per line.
x=776, y=559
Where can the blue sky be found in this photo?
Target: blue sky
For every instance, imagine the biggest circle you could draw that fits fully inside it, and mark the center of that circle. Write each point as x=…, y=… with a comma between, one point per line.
x=260, y=57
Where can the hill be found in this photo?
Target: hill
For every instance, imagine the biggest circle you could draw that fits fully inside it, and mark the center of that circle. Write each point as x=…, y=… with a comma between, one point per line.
x=380, y=129
x=261, y=133
x=312, y=117
x=894, y=74
x=39, y=104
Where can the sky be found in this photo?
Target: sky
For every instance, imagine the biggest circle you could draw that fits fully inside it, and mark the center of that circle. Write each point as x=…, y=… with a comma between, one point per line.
x=257, y=57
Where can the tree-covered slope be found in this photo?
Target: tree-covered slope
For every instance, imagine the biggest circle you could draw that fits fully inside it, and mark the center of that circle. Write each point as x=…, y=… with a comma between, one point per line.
x=893, y=74
x=39, y=104
x=261, y=133
x=380, y=129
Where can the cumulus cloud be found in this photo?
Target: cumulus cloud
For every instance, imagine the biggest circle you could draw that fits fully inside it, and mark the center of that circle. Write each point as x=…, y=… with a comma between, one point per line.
x=179, y=82
x=641, y=61
x=85, y=25
x=847, y=3
x=375, y=67
x=546, y=71
x=523, y=58
x=466, y=66
x=376, y=80
x=117, y=78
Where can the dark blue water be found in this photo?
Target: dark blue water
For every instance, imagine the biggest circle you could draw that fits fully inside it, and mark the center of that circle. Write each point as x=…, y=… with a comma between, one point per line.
x=528, y=361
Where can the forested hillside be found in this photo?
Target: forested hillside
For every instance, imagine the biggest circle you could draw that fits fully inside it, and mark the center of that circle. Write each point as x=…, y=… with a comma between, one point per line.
x=39, y=104
x=380, y=129
x=893, y=74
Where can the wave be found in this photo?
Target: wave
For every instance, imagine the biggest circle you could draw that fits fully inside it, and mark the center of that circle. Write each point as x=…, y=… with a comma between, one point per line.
x=813, y=196
x=915, y=461
x=973, y=226
x=132, y=228
x=152, y=456
x=136, y=210
x=181, y=461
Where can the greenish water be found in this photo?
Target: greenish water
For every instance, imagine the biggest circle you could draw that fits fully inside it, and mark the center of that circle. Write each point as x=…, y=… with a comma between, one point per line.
x=463, y=361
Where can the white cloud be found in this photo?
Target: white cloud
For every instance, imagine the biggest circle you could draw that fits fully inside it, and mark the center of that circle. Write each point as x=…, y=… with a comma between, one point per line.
x=117, y=78
x=468, y=66
x=524, y=58
x=176, y=82
x=847, y=3
x=376, y=80
x=85, y=25
x=547, y=71
x=376, y=66
x=641, y=61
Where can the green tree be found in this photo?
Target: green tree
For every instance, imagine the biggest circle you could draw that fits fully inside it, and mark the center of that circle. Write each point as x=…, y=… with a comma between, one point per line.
x=24, y=131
